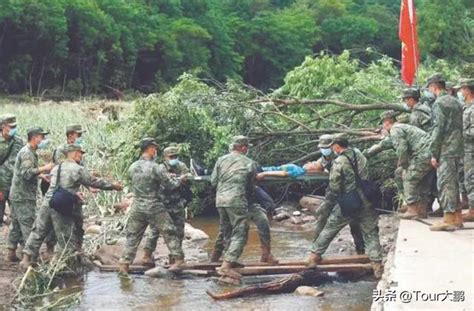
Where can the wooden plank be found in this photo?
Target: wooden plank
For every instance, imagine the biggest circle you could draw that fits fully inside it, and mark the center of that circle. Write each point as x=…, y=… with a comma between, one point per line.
x=264, y=270
x=325, y=261
x=354, y=259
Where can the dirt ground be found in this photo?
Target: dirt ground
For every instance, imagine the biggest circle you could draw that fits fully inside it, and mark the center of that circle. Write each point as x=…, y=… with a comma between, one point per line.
x=8, y=271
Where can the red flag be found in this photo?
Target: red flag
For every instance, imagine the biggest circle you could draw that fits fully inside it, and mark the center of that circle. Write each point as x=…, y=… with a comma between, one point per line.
x=409, y=38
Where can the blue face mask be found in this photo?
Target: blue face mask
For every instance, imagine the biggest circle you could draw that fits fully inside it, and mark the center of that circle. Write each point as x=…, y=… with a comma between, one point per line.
x=12, y=132
x=461, y=96
x=428, y=94
x=326, y=151
x=173, y=162
x=79, y=141
x=43, y=144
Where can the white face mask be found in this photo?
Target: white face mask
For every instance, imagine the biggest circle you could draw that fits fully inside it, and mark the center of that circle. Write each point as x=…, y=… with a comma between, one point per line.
x=461, y=97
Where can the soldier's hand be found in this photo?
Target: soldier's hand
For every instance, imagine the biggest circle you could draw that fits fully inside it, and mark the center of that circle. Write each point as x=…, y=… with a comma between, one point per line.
x=46, y=178
x=46, y=168
x=94, y=190
x=260, y=176
x=118, y=186
x=434, y=163
x=80, y=196
x=184, y=178
x=2, y=196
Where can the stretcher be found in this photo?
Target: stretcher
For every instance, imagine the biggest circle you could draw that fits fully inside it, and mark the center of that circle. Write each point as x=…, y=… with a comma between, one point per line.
x=271, y=180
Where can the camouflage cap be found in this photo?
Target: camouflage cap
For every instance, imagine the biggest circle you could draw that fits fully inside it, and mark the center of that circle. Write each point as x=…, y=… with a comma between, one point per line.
x=435, y=79
x=8, y=119
x=74, y=128
x=147, y=142
x=170, y=151
x=411, y=92
x=469, y=82
x=325, y=141
x=36, y=131
x=73, y=148
x=240, y=140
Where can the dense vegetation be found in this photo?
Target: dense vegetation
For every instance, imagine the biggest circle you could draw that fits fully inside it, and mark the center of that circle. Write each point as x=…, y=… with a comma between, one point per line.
x=85, y=47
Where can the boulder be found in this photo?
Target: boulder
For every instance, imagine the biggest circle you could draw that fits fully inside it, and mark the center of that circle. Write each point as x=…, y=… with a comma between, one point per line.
x=159, y=272
x=311, y=203
x=308, y=291
x=296, y=220
x=193, y=234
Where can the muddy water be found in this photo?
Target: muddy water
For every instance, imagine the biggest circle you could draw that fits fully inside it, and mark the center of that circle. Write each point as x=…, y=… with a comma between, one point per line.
x=106, y=291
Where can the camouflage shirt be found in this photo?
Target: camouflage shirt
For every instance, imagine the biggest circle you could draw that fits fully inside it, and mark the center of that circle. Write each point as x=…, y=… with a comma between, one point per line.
x=234, y=175
x=468, y=127
x=7, y=168
x=25, y=176
x=326, y=163
x=174, y=195
x=446, y=138
x=72, y=176
x=411, y=143
x=148, y=181
x=59, y=155
x=421, y=117
x=342, y=178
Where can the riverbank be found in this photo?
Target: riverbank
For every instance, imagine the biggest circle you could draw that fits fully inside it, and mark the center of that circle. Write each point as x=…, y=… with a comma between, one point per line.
x=428, y=270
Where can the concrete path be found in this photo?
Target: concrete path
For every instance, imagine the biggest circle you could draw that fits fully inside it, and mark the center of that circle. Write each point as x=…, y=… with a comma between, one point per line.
x=431, y=270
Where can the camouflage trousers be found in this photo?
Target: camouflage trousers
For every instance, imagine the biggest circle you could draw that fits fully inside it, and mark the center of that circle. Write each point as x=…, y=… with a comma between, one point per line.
x=178, y=219
x=417, y=181
x=448, y=183
x=42, y=231
x=367, y=219
x=2, y=206
x=23, y=216
x=469, y=177
x=322, y=215
x=233, y=222
x=138, y=221
x=461, y=176
x=398, y=179
x=68, y=230
x=256, y=214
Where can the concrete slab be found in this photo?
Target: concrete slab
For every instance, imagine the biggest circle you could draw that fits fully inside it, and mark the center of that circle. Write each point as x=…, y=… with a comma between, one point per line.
x=431, y=270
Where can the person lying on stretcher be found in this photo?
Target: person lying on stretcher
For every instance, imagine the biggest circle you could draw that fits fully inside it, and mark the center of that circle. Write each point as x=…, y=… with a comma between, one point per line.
x=290, y=170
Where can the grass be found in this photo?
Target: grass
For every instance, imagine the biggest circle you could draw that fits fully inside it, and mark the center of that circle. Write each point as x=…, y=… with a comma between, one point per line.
x=102, y=141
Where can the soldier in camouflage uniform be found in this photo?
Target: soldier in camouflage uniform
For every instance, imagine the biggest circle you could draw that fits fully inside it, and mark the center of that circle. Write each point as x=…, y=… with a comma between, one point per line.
x=342, y=180
x=420, y=115
x=68, y=229
x=412, y=147
x=10, y=145
x=74, y=136
x=466, y=92
x=234, y=176
x=43, y=226
x=258, y=215
x=323, y=212
x=174, y=202
x=446, y=152
x=24, y=189
x=148, y=181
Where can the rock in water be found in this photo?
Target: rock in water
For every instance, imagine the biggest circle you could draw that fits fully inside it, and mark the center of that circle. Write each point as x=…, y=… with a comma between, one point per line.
x=311, y=203
x=193, y=234
x=308, y=291
x=159, y=272
x=94, y=229
x=281, y=216
x=296, y=220
x=296, y=213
